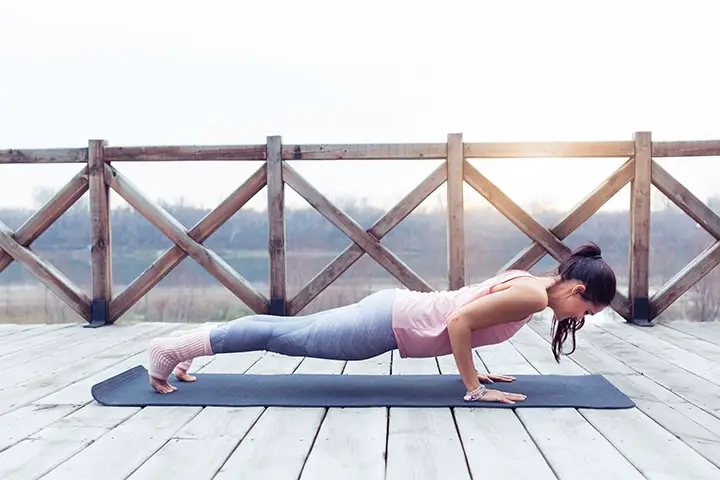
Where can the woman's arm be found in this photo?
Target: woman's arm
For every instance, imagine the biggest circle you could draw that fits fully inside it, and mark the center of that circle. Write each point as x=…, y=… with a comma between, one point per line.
x=520, y=299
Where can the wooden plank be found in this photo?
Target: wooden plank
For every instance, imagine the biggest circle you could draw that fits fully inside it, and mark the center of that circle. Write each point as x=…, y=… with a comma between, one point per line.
x=12, y=335
x=49, y=213
x=695, y=427
x=596, y=358
x=86, y=344
x=539, y=354
x=277, y=445
x=50, y=276
x=688, y=386
x=48, y=155
x=176, y=232
x=39, y=386
x=586, y=355
x=389, y=151
x=585, y=209
x=131, y=443
x=638, y=435
x=693, y=148
x=640, y=218
x=100, y=244
x=172, y=257
x=355, y=232
x=698, y=433
x=423, y=443
x=495, y=442
x=555, y=431
x=503, y=358
x=687, y=360
x=549, y=149
x=20, y=423
x=706, y=331
x=379, y=229
x=184, y=153
x=699, y=346
x=685, y=279
x=212, y=436
x=57, y=442
x=18, y=352
x=173, y=461
x=686, y=200
x=528, y=225
x=456, y=217
x=78, y=392
x=276, y=226
x=351, y=441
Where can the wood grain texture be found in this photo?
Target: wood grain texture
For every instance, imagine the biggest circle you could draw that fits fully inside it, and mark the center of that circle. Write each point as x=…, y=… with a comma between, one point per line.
x=548, y=149
x=640, y=217
x=276, y=222
x=49, y=155
x=455, y=211
x=100, y=245
x=388, y=151
x=50, y=424
x=185, y=153
x=695, y=148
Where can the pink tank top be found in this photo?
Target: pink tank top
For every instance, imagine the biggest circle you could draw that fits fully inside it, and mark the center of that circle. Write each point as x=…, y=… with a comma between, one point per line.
x=419, y=318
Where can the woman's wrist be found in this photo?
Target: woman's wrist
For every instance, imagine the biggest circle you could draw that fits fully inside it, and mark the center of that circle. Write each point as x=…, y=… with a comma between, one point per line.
x=473, y=384
x=475, y=393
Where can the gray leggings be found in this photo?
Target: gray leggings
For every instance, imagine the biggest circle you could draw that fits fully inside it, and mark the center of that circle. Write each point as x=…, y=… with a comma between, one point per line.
x=353, y=332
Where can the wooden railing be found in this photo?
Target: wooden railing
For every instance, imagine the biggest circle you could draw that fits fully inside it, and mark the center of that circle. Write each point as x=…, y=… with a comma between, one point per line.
x=99, y=174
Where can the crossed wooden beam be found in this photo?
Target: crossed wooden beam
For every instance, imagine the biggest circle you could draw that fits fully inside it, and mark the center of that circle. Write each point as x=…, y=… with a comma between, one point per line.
x=16, y=245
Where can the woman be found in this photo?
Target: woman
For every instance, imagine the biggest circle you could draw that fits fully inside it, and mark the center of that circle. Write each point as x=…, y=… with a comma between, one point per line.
x=418, y=324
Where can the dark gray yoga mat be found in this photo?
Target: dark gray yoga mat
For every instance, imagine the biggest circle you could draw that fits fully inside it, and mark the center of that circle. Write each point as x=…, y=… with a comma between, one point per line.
x=132, y=388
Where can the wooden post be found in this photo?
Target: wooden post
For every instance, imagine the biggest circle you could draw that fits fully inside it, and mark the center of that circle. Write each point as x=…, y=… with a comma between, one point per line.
x=456, y=218
x=276, y=226
x=100, y=236
x=640, y=230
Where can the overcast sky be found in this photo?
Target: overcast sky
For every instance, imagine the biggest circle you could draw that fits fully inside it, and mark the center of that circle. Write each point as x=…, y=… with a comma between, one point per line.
x=221, y=72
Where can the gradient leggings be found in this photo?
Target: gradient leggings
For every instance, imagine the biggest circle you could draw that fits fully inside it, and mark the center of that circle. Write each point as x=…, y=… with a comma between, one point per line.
x=353, y=332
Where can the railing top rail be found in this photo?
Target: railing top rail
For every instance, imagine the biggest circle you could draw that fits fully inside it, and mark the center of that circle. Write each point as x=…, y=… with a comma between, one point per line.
x=384, y=151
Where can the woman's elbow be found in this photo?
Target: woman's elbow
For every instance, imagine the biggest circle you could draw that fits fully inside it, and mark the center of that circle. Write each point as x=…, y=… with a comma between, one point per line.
x=457, y=324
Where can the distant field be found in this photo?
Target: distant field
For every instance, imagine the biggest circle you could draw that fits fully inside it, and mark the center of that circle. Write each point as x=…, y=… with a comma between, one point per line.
x=36, y=304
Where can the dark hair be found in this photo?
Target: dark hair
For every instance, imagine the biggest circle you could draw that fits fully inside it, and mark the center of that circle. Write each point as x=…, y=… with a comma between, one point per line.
x=586, y=265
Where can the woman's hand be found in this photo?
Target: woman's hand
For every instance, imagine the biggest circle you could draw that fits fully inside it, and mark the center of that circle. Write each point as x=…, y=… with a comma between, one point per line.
x=497, y=396
x=490, y=378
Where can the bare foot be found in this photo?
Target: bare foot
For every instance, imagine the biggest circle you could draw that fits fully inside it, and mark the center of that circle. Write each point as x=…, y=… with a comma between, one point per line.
x=183, y=375
x=161, y=386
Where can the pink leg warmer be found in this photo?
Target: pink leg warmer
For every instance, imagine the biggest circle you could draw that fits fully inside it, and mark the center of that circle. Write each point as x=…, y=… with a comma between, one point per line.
x=166, y=353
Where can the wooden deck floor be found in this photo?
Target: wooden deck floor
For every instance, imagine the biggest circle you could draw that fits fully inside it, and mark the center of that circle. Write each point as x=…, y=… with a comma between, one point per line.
x=51, y=428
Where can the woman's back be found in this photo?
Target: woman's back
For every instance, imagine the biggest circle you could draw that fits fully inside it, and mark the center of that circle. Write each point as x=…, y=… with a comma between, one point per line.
x=419, y=318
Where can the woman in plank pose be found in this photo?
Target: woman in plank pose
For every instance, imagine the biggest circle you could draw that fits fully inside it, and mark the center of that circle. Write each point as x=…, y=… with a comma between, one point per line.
x=418, y=324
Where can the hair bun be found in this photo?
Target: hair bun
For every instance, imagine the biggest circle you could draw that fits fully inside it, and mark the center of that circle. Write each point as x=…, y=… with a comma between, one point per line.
x=588, y=250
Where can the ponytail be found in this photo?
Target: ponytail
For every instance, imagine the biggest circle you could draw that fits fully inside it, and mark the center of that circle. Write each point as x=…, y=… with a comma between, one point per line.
x=585, y=265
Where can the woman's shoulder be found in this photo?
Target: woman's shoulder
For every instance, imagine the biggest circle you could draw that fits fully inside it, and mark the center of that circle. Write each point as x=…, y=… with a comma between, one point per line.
x=523, y=284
